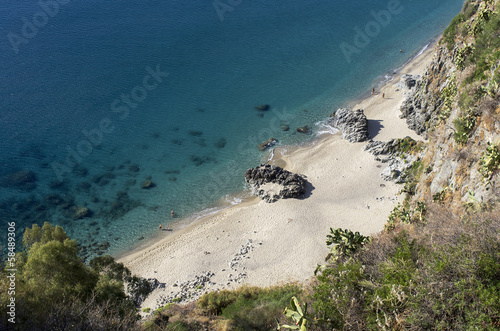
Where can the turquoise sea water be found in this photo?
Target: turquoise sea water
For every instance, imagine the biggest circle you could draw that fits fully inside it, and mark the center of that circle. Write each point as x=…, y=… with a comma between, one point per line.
x=98, y=97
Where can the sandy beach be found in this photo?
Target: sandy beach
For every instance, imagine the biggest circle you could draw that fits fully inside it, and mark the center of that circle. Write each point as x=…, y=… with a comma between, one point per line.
x=258, y=243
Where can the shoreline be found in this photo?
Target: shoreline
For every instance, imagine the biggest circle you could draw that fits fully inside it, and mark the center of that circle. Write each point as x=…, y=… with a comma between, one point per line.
x=346, y=191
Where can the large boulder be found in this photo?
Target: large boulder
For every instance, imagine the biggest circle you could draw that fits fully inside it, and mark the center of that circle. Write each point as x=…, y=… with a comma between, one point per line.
x=352, y=124
x=271, y=183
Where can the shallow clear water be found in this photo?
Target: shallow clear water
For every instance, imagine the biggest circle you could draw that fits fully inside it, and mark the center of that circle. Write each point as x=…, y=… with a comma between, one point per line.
x=101, y=96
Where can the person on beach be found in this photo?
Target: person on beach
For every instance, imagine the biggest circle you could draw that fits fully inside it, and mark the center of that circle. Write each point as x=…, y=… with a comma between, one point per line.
x=160, y=227
x=383, y=95
x=172, y=213
x=373, y=91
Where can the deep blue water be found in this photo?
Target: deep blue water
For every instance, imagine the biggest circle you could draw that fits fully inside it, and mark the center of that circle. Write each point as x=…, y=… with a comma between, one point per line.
x=84, y=122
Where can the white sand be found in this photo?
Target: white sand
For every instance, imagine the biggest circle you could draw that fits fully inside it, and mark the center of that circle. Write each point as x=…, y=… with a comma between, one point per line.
x=289, y=235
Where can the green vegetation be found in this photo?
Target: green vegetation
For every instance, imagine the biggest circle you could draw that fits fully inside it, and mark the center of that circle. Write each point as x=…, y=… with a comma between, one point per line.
x=297, y=314
x=448, y=96
x=451, y=31
x=55, y=288
x=486, y=30
x=404, y=214
x=344, y=242
x=416, y=279
x=490, y=162
x=246, y=308
x=464, y=127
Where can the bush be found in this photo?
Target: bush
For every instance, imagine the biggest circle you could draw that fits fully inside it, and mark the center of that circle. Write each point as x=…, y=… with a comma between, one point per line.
x=249, y=308
x=464, y=126
x=451, y=31
x=490, y=162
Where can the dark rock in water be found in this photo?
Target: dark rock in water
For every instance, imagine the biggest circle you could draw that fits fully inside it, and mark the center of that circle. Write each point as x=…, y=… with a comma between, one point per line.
x=120, y=206
x=24, y=180
x=80, y=212
x=201, y=142
x=261, y=115
x=54, y=199
x=304, y=129
x=147, y=184
x=199, y=160
x=266, y=144
x=134, y=168
x=57, y=185
x=155, y=135
x=175, y=172
x=284, y=127
x=195, y=133
x=177, y=142
x=263, y=107
x=104, y=245
x=221, y=143
x=104, y=179
x=353, y=124
x=271, y=183
x=81, y=171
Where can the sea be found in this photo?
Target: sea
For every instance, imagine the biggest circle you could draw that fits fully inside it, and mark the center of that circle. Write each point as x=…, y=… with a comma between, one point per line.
x=113, y=114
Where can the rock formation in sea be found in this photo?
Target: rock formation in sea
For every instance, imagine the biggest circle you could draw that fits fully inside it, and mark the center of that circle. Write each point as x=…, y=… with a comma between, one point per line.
x=266, y=144
x=352, y=124
x=272, y=183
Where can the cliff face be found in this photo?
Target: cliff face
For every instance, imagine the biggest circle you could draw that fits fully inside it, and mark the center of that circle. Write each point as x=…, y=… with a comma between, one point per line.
x=455, y=107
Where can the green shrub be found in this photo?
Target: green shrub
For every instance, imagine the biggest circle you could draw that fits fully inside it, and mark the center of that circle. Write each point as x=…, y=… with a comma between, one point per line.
x=448, y=96
x=338, y=293
x=490, y=162
x=464, y=126
x=344, y=242
x=249, y=308
x=451, y=31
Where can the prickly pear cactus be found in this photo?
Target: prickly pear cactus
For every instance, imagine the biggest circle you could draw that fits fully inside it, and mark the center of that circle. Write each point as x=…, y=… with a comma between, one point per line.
x=344, y=242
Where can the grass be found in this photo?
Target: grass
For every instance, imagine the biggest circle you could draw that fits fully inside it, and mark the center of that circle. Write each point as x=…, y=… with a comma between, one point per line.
x=246, y=308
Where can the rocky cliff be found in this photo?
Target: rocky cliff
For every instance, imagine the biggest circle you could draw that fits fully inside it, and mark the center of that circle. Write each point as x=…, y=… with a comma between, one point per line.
x=455, y=107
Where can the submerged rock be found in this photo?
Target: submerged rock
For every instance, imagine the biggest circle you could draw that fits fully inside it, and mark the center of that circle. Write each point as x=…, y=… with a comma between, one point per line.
x=352, y=124
x=284, y=127
x=80, y=212
x=263, y=107
x=24, y=179
x=221, y=143
x=304, y=129
x=266, y=144
x=271, y=183
x=147, y=184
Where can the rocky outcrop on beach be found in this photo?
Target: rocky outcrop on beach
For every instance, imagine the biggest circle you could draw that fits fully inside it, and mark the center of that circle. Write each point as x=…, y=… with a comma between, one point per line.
x=272, y=183
x=424, y=95
x=352, y=124
x=139, y=289
x=390, y=153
